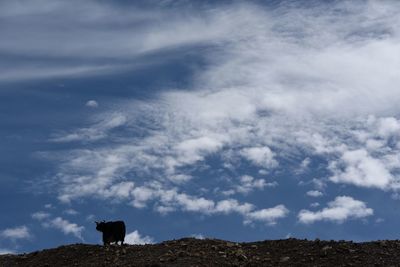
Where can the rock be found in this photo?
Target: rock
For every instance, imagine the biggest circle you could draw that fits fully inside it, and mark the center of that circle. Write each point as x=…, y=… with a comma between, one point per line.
x=182, y=253
x=242, y=257
x=229, y=244
x=284, y=259
x=326, y=248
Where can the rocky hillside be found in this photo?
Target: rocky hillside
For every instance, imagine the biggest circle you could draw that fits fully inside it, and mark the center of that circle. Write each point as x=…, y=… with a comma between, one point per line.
x=212, y=252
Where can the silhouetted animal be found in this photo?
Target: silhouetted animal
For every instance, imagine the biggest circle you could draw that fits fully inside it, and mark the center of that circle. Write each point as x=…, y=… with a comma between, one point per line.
x=112, y=231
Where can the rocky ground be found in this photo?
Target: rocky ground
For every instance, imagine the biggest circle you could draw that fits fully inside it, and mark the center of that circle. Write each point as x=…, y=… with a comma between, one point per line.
x=213, y=252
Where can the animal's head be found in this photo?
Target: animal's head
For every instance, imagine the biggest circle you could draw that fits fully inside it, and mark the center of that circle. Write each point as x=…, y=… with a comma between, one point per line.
x=100, y=226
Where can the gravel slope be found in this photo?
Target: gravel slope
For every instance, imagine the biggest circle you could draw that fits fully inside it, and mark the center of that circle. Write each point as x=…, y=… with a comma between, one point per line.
x=213, y=252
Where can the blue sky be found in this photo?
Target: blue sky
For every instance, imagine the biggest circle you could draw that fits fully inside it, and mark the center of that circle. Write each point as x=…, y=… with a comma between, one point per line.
x=236, y=120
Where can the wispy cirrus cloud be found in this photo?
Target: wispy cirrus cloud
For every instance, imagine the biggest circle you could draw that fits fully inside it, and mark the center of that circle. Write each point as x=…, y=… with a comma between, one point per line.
x=95, y=132
x=40, y=215
x=59, y=223
x=65, y=226
x=95, y=38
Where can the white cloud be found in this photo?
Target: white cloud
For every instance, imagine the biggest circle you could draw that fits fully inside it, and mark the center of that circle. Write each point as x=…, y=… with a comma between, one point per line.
x=170, y=200
x=274, y=89
x=305, y=163
x=388, y=126
x=359, y=168
x=304, y=166
x=101, y=176
x=141, y=195
x=196, y=204
x=135, y=238
x=192, y=150
x=7, y=251
x=198, y=236
x=65, y=226
x=71, y=212
x=75, y=40
x=92, y=104
x=339, y=210
x=48, y=221
x=90, y=217
x=33, y=72
x=261, y=156
x=95, y=132
x=269, y=216
x=248, y=183
x=16, y=233
x=40, y=215
x=231, y=205
x=119, y=190
x=314, y=193
x=319, y=184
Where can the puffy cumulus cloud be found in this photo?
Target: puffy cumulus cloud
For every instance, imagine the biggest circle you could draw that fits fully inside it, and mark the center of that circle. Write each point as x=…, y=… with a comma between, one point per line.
x=92, y=104
x=339, y=210
x=192, y=150
x=16, y=233
x=314, y=193
x=359, y=168
x=269, y=216
x=278, y=86
x=261, y=156
x=170, y=200
x=388, y=127
x=135, y=238
x=198, y=236
x=231, y=205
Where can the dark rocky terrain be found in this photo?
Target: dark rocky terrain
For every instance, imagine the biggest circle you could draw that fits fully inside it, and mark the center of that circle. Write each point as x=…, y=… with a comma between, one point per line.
x=213, y=252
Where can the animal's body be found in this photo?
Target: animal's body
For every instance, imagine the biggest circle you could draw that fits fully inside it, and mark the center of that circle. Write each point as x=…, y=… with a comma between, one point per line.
x=112, y=231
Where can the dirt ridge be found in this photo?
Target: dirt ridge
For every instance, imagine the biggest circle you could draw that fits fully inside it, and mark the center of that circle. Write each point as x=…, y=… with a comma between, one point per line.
x=214, y=252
